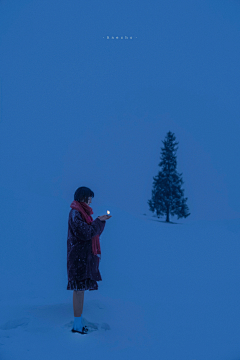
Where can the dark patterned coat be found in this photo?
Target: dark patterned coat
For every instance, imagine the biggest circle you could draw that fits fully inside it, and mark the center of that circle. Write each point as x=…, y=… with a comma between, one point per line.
x=81, y=262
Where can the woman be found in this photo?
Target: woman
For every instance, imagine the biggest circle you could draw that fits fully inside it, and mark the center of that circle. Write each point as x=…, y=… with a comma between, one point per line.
x=83, y=248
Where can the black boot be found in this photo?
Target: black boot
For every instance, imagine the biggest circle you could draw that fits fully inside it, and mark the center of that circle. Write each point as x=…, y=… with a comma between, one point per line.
x=84, y=330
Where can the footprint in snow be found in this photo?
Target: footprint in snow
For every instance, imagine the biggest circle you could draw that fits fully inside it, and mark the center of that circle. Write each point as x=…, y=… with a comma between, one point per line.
x=13, y=324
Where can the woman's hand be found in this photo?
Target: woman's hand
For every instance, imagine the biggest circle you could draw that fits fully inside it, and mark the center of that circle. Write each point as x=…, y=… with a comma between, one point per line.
x=104, y=217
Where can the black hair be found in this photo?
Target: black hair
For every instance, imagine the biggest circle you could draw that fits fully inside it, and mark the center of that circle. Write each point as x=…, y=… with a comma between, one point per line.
x=82, y=194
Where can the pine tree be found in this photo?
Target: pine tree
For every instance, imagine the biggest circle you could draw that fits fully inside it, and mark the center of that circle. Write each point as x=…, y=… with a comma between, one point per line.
x=167, y=195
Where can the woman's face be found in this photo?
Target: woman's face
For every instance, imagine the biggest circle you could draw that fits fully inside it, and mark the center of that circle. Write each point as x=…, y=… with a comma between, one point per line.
x=89, y=201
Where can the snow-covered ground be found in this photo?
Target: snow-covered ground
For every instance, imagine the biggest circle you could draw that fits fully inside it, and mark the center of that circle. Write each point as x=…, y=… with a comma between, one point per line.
x=169, y=291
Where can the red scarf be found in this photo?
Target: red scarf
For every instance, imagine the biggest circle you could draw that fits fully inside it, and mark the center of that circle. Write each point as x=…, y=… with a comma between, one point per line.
x=86, y=212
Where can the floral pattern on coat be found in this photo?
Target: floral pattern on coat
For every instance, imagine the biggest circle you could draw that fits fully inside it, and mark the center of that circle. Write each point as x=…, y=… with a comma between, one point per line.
x=81, y=262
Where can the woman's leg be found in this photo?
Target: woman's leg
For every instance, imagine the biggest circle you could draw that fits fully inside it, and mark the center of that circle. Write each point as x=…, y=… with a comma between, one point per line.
x=78, y=298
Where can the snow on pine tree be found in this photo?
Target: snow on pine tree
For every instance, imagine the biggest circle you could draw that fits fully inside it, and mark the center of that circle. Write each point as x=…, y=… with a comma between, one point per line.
x=167, y=195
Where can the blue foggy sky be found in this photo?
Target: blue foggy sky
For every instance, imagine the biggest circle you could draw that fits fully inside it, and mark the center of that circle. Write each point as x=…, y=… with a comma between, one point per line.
x=78, y=109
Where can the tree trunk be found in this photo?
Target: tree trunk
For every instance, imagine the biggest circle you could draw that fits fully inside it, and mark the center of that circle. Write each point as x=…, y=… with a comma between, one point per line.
x=167, y=219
